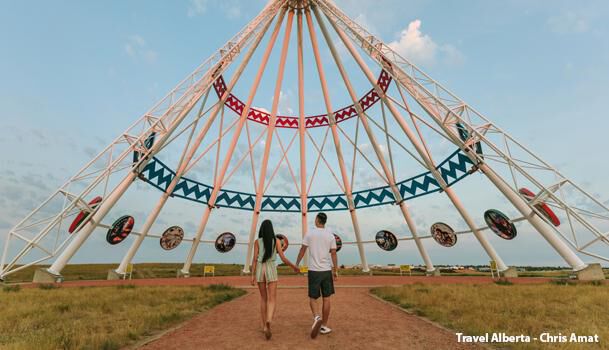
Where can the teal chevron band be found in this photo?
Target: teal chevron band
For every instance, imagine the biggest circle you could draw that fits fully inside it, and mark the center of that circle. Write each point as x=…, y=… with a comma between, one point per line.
x=452, y=169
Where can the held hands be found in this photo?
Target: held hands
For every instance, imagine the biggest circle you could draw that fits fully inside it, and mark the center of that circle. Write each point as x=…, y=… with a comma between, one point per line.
x=295, y=268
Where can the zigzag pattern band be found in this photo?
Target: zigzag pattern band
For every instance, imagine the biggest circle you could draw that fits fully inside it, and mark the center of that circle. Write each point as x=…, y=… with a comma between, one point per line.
x=259, y=116
x=452, y=169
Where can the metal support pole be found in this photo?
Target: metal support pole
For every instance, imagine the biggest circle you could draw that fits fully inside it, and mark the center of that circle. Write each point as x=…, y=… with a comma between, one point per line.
x=301, y=133
x=420, y=150
x=243, y=119
x=364, y=120
x=337, y=146
x=188, y=154
x=269, y=140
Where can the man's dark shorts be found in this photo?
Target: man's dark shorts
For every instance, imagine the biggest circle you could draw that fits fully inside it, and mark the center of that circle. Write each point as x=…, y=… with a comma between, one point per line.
x=320, y=283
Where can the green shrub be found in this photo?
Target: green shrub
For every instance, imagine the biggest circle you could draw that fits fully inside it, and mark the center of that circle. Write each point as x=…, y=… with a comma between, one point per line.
x=503, y=282
x=48, y=286
x=11, y=288
x=562, y=282
x=218, y=287
x=125, y=286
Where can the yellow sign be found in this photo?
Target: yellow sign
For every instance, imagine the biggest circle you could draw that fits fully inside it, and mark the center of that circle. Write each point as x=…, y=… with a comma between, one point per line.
x=130, y=268
x=405, y=268
x=209, y=269
x=493, y=265
x=304, y=269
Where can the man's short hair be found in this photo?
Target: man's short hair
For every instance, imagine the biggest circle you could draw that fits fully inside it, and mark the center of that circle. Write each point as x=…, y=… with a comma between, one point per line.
x=322, y=217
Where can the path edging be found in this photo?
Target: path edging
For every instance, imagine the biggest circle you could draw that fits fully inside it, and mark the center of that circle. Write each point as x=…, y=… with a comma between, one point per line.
x=162, y=333
x=422, y=318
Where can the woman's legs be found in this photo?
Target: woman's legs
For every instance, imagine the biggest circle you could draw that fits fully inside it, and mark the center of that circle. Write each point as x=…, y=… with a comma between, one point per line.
x=263, y=301
x=271, y=300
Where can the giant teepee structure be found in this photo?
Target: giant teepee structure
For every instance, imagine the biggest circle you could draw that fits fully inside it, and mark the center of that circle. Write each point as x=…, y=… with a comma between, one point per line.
x=412, y=137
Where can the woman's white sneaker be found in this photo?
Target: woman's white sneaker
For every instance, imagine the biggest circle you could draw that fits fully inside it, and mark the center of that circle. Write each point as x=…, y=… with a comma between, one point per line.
x=325, y=330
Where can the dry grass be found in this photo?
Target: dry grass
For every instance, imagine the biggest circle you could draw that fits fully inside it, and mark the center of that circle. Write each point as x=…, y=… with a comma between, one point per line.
x=98, y=317
x=512, y=309
x=76, y=272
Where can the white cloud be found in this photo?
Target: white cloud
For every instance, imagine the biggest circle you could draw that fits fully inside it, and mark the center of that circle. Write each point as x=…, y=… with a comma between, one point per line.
x=420, y=48
x=233, y=11
x=231, y=8
x=285, y=106
x=137, y=48
x=365, y=22
x=568, y=22
x=197, y=7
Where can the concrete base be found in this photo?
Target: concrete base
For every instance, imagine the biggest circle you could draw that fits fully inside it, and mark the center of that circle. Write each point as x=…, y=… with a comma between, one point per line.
x=113, y=275
x=182, y=274
x=44, y=276
x=435, y=272
x=509, y=273
x=593, y=272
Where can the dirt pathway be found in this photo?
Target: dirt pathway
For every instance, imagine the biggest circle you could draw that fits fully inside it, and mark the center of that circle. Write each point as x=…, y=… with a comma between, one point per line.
x=358, y=320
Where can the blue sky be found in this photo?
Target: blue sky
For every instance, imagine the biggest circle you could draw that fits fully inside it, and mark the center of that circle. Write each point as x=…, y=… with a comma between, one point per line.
x=75, y=74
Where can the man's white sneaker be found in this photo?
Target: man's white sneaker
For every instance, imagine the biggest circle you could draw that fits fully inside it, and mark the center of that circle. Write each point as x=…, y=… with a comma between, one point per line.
x=316, y=326
x=325, y=330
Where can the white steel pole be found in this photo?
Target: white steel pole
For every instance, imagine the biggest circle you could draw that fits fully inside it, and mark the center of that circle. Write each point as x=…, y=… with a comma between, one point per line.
x=541, y=226
x=269, y=140
x=301, y=133
x=420, y=150
x=243, y=119
x=187, y=157
x=337, y=146
x=363, y=118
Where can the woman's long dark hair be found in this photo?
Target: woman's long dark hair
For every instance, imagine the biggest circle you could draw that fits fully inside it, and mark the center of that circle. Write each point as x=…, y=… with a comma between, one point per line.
x=268, y=238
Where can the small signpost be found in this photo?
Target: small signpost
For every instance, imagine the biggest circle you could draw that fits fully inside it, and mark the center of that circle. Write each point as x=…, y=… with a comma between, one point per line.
x=128, y=272
x=209, y=269
x=405, y=268
x=494, y=268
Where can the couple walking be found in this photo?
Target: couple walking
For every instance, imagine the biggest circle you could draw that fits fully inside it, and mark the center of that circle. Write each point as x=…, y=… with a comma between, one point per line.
x=320, y=243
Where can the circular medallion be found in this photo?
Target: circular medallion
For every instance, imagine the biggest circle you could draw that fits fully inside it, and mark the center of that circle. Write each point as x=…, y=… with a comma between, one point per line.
x=172, y=237
x=339, y=242
x=148, y=142
x=464, y=136
x=386, y=240
x=284, y=241
x=225, y=242
x=120, y=229
x=543, y=208
x=443, y=234
x=500, y=224
x=83, y=215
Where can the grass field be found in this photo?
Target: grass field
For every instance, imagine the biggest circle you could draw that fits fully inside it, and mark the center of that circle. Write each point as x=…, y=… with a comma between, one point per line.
x=49, y=317
x=512, y=309
x=168, y=270
x=151, y=270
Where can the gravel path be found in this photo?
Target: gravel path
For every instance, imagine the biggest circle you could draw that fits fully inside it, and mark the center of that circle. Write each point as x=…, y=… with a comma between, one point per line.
x=358, y=320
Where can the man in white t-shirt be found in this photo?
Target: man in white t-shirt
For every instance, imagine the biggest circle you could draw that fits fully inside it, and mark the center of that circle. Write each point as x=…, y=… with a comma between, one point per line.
x=322, y=271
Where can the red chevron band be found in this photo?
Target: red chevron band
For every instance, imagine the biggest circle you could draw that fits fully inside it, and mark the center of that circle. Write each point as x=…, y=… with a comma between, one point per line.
x=367, y=101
